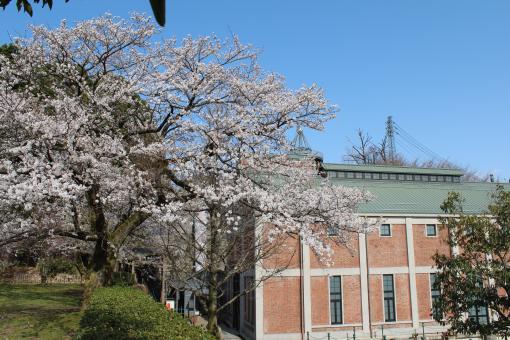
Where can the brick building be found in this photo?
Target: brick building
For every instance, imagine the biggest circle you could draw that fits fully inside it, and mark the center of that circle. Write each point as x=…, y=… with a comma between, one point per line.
x=383, y=281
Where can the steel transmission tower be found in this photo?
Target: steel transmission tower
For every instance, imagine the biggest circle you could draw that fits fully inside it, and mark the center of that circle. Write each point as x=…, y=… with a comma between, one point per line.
x=390, y=138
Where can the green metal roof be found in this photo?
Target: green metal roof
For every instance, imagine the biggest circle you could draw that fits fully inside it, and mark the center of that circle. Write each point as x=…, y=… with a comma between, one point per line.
x=413, y=197
x=391, y=169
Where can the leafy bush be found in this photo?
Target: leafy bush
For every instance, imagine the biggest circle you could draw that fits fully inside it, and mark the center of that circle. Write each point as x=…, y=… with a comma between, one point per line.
x=128, y=313
x=123, y=279
x=50, y=267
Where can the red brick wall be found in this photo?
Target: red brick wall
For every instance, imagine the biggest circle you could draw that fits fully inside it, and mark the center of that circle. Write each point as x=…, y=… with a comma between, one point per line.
x=320, y=300
x=351, y=289
x=286, y=253
x=388, y=251
x=376, y=298
x=342, y=256
x=282, y=305
x=352, y=299
x=403, y=297
x=426, y=246
x=423, y=292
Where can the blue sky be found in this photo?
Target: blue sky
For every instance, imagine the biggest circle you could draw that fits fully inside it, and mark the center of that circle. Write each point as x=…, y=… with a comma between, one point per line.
x=440, y=67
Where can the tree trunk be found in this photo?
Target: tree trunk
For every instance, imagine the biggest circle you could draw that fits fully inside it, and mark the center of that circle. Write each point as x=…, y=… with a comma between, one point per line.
x=212, y=303
x=212, y=308
x=102, y=257
x=103, y=260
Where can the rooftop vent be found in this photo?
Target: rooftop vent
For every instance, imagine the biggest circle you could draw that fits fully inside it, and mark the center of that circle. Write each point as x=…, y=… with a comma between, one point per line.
x=301, y=149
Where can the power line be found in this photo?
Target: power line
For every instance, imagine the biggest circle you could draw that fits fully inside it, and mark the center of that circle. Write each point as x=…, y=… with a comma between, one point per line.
x=406, y=141
x=415, y=143
x=407, y=149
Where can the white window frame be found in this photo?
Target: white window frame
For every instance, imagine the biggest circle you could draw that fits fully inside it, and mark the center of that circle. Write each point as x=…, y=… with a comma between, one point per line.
x=394, y=298
x=391, y=232
x=427, y=232
x=329, y=301
x=430, y=296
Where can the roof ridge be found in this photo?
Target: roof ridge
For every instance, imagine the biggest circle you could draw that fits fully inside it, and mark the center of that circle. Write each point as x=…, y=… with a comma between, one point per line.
x=390, y=166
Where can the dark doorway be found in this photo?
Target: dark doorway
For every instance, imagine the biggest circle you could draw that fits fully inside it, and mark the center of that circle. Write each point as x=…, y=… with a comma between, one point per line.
x=236, y=310
x=180, y=303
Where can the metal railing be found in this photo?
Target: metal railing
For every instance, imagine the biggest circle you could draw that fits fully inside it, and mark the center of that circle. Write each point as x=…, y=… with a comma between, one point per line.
x=423, y=335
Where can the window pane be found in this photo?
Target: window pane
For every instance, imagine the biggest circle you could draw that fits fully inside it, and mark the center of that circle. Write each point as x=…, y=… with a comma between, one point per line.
x=433, y=277
x=431, y=230
x=389, y=310
x=333, y=230
x=334, y=285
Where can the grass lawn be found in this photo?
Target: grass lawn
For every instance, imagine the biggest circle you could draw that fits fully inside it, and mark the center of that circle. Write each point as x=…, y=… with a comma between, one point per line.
x=30, y=311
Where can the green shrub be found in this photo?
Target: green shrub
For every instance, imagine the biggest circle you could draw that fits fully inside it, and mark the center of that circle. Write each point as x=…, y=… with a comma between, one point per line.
x=50, y=267
x=123, y=279
x=128, y=313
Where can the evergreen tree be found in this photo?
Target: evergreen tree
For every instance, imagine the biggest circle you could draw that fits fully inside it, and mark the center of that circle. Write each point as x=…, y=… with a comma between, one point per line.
x=475, y=280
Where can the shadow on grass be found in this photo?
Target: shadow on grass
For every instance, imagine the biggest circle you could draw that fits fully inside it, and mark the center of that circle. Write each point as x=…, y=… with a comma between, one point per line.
x=40, y=294
x=44, y=312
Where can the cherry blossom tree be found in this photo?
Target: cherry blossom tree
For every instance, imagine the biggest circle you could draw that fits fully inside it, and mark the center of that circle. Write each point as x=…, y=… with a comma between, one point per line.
x=77, y=158
x=253, y=213
x=106, y=133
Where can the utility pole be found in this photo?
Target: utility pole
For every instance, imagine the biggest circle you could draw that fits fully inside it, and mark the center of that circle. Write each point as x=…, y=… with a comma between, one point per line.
x=390, y=136
x=163, y=281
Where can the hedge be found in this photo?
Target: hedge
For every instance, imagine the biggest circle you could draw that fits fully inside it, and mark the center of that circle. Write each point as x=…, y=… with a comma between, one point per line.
x=128, y=313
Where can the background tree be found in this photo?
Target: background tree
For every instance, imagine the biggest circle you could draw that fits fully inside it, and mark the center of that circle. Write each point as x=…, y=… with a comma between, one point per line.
x=158, y=7
x=475, y=281
x=365, y=151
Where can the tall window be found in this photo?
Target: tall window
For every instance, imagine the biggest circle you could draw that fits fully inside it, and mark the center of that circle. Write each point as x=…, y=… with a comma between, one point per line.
x=249, y=301
x=385, y=230
x=389, y=298
x=335, y=299
x=435, y=292
x=479, y=312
